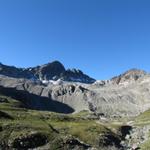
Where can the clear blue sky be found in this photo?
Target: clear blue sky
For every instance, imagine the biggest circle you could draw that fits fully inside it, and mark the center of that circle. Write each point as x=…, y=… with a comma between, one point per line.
x=103, y=38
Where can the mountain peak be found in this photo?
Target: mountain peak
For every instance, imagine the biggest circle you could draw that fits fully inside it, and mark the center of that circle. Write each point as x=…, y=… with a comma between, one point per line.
x=51, y=71
x=55, y=62
x=135, y=71
x=128, y=76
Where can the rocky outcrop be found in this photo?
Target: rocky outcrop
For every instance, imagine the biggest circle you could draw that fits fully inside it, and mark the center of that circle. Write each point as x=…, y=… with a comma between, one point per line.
x=136, y=137
x=129, y=76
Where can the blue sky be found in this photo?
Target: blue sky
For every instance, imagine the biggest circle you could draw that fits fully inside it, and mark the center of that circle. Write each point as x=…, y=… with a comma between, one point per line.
x=103, y=38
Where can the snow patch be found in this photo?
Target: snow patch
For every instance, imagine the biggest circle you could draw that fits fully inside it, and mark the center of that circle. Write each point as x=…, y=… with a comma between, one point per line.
x=53, y=82
x=76, y=79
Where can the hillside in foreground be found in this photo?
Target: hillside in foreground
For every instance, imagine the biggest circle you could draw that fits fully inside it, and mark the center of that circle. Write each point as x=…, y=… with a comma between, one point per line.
x=22, y=128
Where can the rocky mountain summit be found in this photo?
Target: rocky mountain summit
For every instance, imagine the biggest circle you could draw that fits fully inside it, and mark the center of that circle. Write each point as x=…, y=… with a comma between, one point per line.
x=50, y=71
x=129, y=76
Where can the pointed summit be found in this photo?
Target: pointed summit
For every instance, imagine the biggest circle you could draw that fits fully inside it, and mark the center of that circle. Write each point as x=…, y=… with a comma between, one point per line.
x=130, y=75
x=49, y=71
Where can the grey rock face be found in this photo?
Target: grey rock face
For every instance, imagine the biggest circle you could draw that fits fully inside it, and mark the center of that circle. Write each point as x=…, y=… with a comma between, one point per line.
x=30, y=93
x=76, y=76
x=48, y=71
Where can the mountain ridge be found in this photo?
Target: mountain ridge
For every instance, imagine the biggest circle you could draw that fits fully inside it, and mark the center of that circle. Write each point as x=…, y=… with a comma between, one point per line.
x=126, y=94
x=56, y=70
x=50, y=71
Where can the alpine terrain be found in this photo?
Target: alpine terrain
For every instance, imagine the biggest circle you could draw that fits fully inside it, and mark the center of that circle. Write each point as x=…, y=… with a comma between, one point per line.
x=49, y=107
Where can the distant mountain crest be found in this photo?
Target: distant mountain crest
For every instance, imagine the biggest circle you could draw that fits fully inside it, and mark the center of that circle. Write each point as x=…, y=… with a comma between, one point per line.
x=130, y=75
x=47, y=71
x=50, y=71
